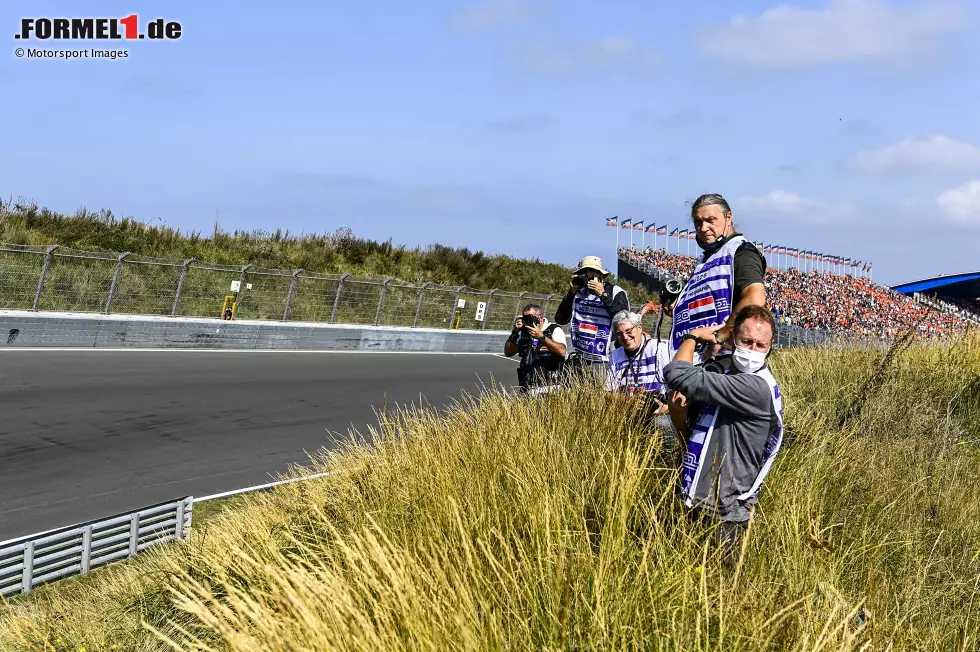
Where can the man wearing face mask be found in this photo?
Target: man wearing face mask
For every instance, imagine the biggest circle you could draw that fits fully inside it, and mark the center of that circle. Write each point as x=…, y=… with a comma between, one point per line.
x=590, y=305
x=736, y=428
x=728, y=277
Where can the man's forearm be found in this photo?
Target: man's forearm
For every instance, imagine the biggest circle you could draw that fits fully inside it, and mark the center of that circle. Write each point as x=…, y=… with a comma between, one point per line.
x=556, y=348
x=753, y=295
x=564, y=313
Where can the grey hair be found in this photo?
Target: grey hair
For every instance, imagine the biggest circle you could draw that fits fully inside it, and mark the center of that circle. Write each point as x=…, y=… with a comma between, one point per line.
x=711, y=199
x=632, y=318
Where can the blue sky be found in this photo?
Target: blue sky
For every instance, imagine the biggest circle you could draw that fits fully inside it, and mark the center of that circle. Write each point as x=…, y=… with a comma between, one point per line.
x=847, y=126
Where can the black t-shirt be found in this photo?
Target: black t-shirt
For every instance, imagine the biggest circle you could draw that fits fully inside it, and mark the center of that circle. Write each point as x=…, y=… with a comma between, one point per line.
x=750, y=267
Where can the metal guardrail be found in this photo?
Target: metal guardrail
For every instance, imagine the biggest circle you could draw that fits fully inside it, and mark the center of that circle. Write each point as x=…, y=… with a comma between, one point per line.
x=37, y=559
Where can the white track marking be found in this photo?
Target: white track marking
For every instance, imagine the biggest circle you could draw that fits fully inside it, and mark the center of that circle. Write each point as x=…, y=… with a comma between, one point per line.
x=234, y=492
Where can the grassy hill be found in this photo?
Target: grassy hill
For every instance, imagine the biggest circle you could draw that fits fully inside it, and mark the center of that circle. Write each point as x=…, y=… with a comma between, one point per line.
x=338, y=252
x=553, y=524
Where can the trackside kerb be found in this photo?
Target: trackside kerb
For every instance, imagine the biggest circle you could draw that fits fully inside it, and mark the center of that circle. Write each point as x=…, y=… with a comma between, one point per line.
x=98, y=29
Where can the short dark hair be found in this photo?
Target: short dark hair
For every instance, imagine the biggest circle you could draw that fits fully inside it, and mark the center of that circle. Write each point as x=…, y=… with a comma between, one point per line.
x=533, y=306
x=755, y=312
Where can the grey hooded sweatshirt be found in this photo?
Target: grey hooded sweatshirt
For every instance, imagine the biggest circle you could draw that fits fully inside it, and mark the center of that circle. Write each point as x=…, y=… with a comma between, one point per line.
x=736, y=449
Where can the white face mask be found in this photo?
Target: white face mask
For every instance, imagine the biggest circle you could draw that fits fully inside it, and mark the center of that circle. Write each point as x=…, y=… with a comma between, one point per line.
x=748, y=361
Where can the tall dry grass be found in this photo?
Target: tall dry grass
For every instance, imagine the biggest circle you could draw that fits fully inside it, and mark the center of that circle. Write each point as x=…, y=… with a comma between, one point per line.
x=552, y=524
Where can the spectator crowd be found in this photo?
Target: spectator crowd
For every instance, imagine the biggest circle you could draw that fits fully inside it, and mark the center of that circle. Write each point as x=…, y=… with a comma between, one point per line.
x=831, y=302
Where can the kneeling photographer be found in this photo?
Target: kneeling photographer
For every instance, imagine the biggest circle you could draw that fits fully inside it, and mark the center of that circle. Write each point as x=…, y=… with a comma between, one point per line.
x=636, y=368
x=733, y=422
x=541, y=346
x=590, y=305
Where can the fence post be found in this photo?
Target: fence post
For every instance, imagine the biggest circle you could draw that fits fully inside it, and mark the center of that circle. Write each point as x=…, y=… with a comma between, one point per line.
x=517, y=304
x=486, y=313
x=547, y=304
x=27, y=576
x=418, y=308
x=381, y=300
x=115, y=282
x=134, y=533
x=48, y=257
x=180, y=286
x=179, y=529
x=452, y=315
x=336, y=300
x=292, y=293
x=86, y=549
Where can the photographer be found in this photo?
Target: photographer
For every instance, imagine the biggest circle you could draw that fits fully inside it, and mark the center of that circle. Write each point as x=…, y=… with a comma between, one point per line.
x=737, y=427
x=590, y=306
x=541, y=346
x=637, y=366
x=729, y=277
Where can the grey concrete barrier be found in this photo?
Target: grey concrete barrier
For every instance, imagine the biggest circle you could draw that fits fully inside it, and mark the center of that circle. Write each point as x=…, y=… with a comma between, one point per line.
x=61, y=329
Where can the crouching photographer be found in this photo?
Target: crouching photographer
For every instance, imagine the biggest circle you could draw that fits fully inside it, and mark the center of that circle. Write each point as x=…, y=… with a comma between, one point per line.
x=541, y=346
x=589, y=306
x=732, y=423
x=635, y=369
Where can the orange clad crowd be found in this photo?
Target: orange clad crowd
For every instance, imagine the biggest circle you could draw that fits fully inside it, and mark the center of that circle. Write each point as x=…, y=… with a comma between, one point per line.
x=831, y=302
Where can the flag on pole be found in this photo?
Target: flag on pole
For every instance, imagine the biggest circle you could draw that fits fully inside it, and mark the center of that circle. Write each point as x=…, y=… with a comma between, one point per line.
x=662, y=230
x=638, y=226
x=675, y=231
x=627, y=223
x=612, y=221
x=651, y=228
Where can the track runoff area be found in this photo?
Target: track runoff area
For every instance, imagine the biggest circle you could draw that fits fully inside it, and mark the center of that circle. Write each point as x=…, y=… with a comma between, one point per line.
x=87, y=433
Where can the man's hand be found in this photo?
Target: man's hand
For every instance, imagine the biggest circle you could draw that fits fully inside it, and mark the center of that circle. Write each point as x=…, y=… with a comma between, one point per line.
x=596, y=287
x=535, y=332
x=677, y=400
x=724, y=334
x=518, y=324
x=706, y=334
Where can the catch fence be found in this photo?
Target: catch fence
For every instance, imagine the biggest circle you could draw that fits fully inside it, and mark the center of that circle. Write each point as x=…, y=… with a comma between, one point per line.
x=45, y=278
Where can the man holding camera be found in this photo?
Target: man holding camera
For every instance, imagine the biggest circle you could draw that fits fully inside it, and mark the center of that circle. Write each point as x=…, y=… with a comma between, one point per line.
x=541, y=346
x=590, y=305
x=636, y=367
x=730, y=276
x=733, y=422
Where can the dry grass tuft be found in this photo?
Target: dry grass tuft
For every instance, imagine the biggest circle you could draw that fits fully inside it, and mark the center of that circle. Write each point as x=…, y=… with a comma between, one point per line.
x=552, y=524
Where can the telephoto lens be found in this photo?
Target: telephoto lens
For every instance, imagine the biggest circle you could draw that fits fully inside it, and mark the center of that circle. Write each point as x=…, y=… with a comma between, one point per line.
x=579, y=281
x=530, y=320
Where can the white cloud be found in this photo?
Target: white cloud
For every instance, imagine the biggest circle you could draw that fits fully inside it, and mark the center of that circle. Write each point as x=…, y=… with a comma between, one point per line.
x=603, y=55
x=933, y=153
x=777, y=201
x=787, y=37
x=782, y=203
x=498, y=14
x=962, y=204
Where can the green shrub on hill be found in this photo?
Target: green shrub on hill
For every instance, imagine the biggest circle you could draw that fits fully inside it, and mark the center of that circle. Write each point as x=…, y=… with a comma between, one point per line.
x=338, y=252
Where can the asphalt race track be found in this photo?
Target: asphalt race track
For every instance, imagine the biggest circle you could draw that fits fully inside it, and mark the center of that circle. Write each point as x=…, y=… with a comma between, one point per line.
x=87, y=434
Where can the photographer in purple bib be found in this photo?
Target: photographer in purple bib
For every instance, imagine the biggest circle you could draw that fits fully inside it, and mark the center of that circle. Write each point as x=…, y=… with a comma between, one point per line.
x=732, y=426
x=729, y=277
x=589, y=306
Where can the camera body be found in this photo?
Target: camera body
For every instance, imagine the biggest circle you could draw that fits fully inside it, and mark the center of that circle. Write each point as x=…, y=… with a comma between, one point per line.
x=532, y=321
x=579, y=281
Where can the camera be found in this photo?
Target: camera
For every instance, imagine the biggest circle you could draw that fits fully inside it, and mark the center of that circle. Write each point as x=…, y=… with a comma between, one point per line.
x=579, y=281
x=670, y=292
x=530, y=320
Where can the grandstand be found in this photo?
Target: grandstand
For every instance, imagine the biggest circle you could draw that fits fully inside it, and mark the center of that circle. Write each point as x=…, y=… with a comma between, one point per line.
x=958, y=294
x=835, y=303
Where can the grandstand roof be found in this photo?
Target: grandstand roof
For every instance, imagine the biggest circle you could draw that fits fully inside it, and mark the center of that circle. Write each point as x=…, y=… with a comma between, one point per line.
x=957, y=286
